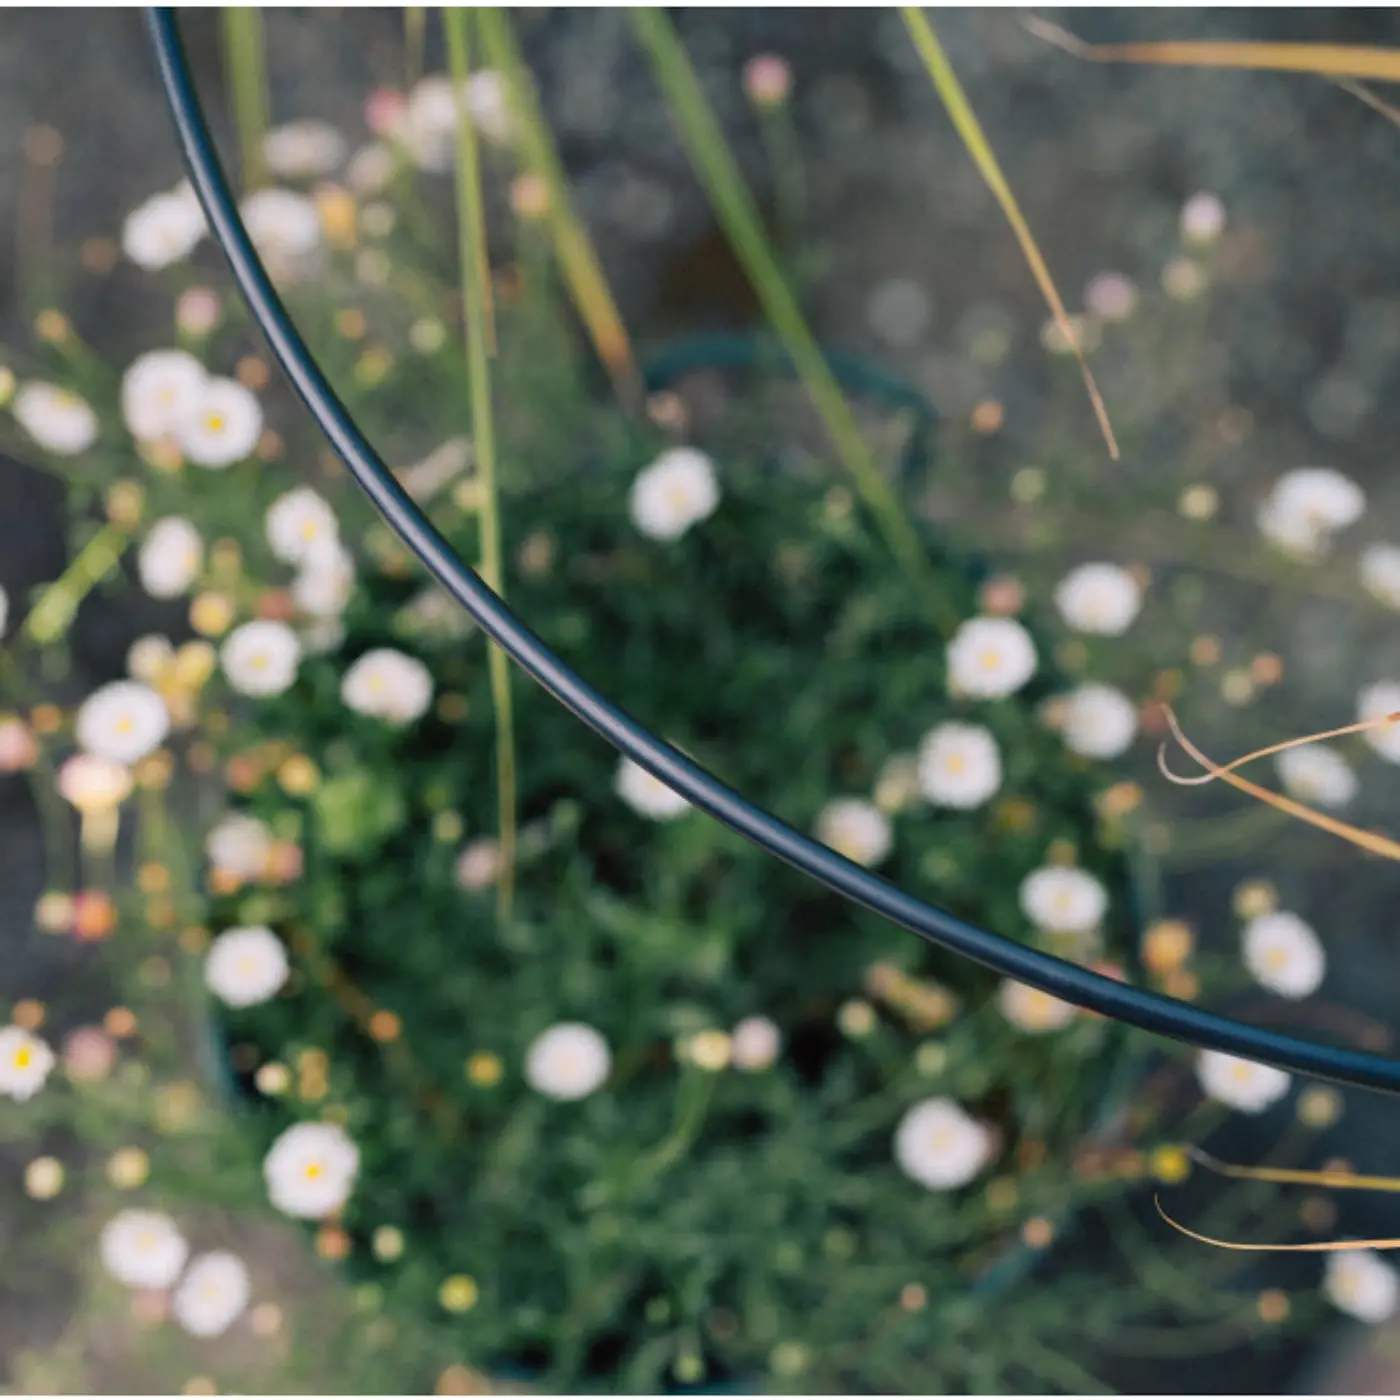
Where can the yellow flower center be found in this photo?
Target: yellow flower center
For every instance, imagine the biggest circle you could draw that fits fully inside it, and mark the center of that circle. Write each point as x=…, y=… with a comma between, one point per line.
x=677, y=497
x=309, y=529
x=312, y=1171
x=990, y=659
x=124, y=725
x=1276, y=957
x=259, y=661
x=955, y=763
x=215, y=422
x=23, y=1057
x=941, y=1140
x=1241, y=1073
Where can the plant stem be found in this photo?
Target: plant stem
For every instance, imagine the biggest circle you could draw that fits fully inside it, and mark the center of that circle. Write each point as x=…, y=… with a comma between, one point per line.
x=414, y=25
x=245, y=62
x=582, y=271
x=471, y=230
x=734, y=205
x=52, y=615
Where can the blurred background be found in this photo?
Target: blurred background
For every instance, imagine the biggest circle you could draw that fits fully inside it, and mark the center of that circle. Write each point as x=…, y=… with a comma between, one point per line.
x=912, y=264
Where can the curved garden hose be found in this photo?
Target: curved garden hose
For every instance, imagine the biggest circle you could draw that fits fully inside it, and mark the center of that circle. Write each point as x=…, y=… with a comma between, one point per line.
x=1147, y=1010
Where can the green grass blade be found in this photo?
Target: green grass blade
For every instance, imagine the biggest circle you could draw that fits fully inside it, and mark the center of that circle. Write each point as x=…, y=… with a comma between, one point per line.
x=245, y=63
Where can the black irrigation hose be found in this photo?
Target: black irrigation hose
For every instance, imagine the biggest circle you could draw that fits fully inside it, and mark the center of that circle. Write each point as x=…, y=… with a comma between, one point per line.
x=1147, y=1010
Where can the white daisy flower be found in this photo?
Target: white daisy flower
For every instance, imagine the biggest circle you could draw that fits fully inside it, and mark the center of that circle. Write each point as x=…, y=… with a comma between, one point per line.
x=1318, y=775
x=303, y=150
x=370, y=169
x=1030, y=1009
x=246, y=966
x=163, y=230
x=310, y=1170
x=479, y=863
x=299, y=523
x=488, y=104
x=939, y=1145
x=147, y=657
x=1284, y=955
x=646, y=794
x=1063, y=899
x=1379, y=568
x=388, y=685
x=261, y=658
x=990, y=657
x=1202, y=218
x=676, y=491
x=1306, y=506
x=94, y=784
x=427, y=126
x=25, y=1062
x=1375, y=702
x=143, y=1249
x=223, y=426
x=959, y=765
x=323, y=585
x=1111, y=297
x=1241, y=1084
x=1101, y=599
x=240, y=845
x=1099, y=721
x=58, y=420
x=1361, y=1283
x=567, y=1062
x=284, y=226
x=755, y=1043
x=855, y=829
x=171, y=557
x=212, y=1295
x=123, y=721
x=160, y=389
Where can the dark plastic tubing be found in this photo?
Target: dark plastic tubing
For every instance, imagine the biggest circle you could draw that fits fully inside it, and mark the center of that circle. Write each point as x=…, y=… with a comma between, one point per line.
x=1147, y=1010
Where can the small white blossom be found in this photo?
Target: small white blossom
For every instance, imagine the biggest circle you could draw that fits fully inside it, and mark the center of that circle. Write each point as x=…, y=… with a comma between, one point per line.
x=1241, y=1084
x=939, y=1145
x=1111, y=297
x=479, y=863
x=370, y=169
x=646, y=794
x=1101, y=599
x=171, y=557
x=163, y=230
x=147, y=657
x=1361, y=1283
x=223, y=427
x=959, y=765
x=567, y=1062
x=1379, y=568
x=1030, y=1009
x=160, y=389
x=857, y=830
x=388, y=685
x=310, y=1170
x=325, y=581
x=25, y=1062
x=212, y=1295
x=1375, y=702
x=676, y=491
x=1099, y=721
x=488, y=105
x=123, y=721
x=756, y=1041
x=94, y=784
x=246, y=966
x=299, y=523
x=1306, y=506
x=1284, y=955
x=240, y=845
x=261, y=658
x=990, y=657
x=1202, y=218
x=1063, y=899
x=1317, y=774
x=143, y=1249
x=302, y=150
x=284, y=226
x=57, y=419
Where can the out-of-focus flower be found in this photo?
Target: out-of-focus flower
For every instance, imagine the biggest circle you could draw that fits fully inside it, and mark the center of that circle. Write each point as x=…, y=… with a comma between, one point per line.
x=1284, y=955
x=676, y=491
x=310, y=1170
x=261, y=658
x=148, y=658
x=567, y=1062
x=1062, y=899
x=1306, y=507
x=163, y=230
x=1102, y=599
x=1361, y=1283
x=767, y=80
x=1379, y=569
x=246, y=966
x=1317, y=774
x=198, y=311
x=25, y=1062
x=212, y=1295
x=57, y=419
x=240, y=845
x=959, y=765
x=160, y=389
x=325, y=582
x=479, y=863
x=93, y=784
x=303, y=150
x=1111, y=296
x=990, y=657
x=1242, y=1084
x=284, y=227
x=19, y=749
x=939, y=1145
x=222, y=427
x=756, y=1042
x=857, y=830
x=298, y=523
x=1202, y=218
x=171, y=557
x=88, y=1054
x=388, y=685
x=1375, y=702
x=143, y=1248
x=1030, y=1009
x=370, y=169
x=122, y=721
x=646, y=794
x=1099, y=721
